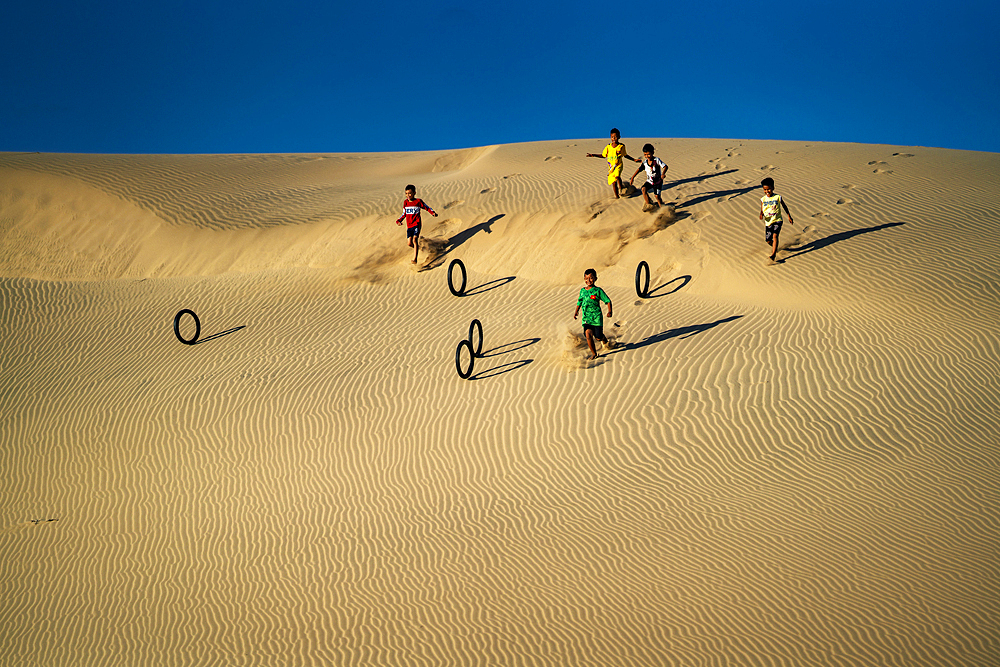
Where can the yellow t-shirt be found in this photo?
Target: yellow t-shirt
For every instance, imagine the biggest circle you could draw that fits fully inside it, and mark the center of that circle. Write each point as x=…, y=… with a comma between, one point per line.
x=614, y=156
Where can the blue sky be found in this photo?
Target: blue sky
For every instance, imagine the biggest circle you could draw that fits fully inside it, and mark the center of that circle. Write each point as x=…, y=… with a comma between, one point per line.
x=213, y=76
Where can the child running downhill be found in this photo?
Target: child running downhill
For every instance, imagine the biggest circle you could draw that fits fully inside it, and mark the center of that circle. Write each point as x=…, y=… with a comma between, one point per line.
x=411, y=212
x=614, y=152
x=589, y=301
x=770, y=212
x=655, y=168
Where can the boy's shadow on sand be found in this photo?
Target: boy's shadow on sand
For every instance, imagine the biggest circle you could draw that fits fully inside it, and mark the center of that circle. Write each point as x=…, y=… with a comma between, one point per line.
x=637, y=189
x=697, y=179
x=732, y=194
x=458, y=239
x=506, y=348
x=834, y=238
x=680, y=332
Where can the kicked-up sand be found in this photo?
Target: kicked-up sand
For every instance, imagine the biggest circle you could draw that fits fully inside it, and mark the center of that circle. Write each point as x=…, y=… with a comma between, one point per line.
x=780, y=464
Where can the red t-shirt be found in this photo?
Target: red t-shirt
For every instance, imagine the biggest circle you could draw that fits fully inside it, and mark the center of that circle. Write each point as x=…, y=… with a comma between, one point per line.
x=411, y=211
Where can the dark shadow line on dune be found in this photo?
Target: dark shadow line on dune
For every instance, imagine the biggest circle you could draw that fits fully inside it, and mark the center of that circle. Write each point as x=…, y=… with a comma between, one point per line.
x=521, y=344
x=836, y=238
x=736, y=192
x=680, y=332
x=685, y=280
x=218, y=335
x=507, y=368
x=696, y=179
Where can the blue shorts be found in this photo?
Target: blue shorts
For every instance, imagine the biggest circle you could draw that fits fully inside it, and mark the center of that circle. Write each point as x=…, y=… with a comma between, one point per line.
x=771, y=231
x=412, y=231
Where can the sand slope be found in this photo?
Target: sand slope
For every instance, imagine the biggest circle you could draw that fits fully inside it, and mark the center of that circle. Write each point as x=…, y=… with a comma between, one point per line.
x=790, y=464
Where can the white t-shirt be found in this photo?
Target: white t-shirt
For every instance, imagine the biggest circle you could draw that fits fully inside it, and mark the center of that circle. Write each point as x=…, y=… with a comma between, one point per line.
x=655, y=171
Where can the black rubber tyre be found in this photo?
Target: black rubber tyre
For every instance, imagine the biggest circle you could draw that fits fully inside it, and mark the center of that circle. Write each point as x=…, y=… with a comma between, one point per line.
x=451, y=285
x=477, y=348
x=642, y=283
x=458, y=360
x=177, y=327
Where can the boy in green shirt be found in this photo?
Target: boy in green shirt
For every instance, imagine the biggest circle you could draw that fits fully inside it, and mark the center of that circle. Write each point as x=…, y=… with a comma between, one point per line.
x=589, y=301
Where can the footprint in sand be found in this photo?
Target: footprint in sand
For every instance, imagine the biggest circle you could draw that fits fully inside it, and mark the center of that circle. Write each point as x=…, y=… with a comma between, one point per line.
x=845, y=201
x=876, y=162
x=767, y=166
x=487, y=191
x=902, y=154
x=457, y=202
x=596, y=209
x=553, y=158
x=820, y=215
x=734, y=154
x=510, y=176
x=847, y=187
x=882, y=171
x=720, y=166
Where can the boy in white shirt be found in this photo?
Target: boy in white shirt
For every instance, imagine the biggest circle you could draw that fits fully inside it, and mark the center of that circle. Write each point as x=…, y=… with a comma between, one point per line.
x=655, y=169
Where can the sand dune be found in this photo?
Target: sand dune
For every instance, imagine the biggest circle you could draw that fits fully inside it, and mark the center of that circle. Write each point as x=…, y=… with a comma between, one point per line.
x=787, y=464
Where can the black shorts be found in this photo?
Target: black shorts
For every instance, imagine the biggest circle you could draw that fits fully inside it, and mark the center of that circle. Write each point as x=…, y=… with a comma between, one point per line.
x=412, y=231
x=652, y=187
x=596, y=330
x=771, y=230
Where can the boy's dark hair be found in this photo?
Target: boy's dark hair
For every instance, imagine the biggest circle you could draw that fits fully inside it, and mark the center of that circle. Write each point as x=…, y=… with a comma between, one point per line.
x=410, y=187
x=591, y=272
x=769, y=182
x=614, y=130
x=648, y=148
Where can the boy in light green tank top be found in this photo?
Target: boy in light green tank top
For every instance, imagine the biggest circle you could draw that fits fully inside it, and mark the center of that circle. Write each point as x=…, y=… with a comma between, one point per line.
x=770, y=212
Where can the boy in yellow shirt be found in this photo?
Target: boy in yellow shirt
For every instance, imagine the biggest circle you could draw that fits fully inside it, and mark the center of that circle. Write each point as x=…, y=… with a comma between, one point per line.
x=613, y=153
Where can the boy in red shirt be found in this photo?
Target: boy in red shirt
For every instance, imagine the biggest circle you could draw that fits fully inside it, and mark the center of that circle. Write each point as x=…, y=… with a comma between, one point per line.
x=411, y=212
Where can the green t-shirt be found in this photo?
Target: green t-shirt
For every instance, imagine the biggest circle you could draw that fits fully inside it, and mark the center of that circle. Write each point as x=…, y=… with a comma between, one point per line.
x=590, y=305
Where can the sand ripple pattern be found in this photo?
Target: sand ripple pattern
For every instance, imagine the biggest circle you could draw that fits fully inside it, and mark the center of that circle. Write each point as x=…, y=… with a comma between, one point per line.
x=756, y=476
